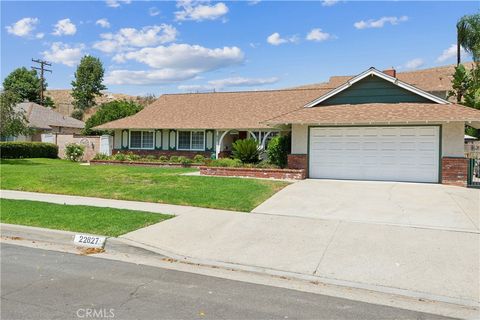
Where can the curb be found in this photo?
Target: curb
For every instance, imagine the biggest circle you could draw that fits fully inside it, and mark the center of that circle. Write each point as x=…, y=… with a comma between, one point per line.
x=122, y=243
x=305, y=277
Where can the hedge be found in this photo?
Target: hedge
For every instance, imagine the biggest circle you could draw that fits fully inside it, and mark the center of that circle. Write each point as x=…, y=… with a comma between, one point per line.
x=15, y=150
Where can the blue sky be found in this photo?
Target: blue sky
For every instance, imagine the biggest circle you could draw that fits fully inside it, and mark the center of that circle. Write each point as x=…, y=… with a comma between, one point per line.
x=187, y=46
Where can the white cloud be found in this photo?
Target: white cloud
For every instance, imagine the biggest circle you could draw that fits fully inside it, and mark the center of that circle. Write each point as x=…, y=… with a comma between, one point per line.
x=379, y=23
x=117, y=3
x=103, y=23
x=185, y=56
x=40, y=35
x=196, y=11
x=64, y=53
x=414, y=63
x=275, y=39
x=23, y=27
x=242, y=82
x=329, y=3
x=253, y=2
x=129, y=38
x=64, y=27
x=318, y=35
x=451, y=52
x=153, y=11
x=146, y=77
x=220, y=84
x=173, y=63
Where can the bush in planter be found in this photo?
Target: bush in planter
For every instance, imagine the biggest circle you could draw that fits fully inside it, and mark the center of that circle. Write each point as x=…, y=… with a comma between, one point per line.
x=150, y=158
x=199, y=159
x=174, y=159
x=120, y=157
x=225, y=162
x=246, y=150
x=132, y=157
x=17, y=150
x=278, y=150
x=185, y=161
x=267, y=165
x=74, y=151
x=101, y=156
x=163, y=158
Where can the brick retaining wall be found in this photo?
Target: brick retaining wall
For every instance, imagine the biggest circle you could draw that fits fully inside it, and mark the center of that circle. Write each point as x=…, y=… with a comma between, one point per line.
x=253, y=172
x=167, y=153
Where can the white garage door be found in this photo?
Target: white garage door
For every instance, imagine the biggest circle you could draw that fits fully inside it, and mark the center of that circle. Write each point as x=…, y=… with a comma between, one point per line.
x=408, y=153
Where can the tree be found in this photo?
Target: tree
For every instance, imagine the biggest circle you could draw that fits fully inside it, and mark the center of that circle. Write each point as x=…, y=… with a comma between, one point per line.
x=460, y=83
x=12, y=122
x=110, y=111
x=88, y=83
x=24, y=83
x=468, y=36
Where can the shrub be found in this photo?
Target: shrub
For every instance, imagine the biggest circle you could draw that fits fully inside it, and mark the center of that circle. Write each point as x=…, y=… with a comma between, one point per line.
x=225, y=162
x=278, y=150
x=16, y=150
x=266, y=164
x=150, y=157
x=120, y=157
x=74, y=151
x=174, y=159
x=185, y=161
x=199, y=159
x=101, y=156
x=246, y=150
x=132, y=157
x=163, y=158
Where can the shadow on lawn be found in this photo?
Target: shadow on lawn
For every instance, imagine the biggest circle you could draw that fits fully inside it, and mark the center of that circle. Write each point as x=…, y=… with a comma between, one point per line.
x=21, y=162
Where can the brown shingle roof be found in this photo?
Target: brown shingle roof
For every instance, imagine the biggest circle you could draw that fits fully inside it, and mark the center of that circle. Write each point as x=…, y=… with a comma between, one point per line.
x=379, y=113
x=432, y=79
x=44, y=118
x=221, y=110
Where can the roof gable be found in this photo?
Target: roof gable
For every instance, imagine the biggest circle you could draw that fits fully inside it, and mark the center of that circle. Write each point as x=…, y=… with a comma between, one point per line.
x=373, y=86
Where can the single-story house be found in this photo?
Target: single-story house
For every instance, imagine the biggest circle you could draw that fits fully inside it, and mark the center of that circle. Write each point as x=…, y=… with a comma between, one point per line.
x=371, y=127
x=45, y=123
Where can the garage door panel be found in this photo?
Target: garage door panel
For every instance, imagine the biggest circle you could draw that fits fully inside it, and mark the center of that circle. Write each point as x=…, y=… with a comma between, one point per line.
x=375, y=153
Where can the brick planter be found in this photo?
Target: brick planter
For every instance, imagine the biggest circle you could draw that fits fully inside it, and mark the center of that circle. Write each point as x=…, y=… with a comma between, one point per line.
x=253, y=172
x=455, y=171
x=167, y=153
x=143, y=164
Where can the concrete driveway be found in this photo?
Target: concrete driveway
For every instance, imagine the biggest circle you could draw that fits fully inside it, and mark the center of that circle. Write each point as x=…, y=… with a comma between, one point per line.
x=395, y=203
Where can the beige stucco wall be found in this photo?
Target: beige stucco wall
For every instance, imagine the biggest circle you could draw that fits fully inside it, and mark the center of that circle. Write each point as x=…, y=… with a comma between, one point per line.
x=117, y=141
x=299, y=138
x=452, y=139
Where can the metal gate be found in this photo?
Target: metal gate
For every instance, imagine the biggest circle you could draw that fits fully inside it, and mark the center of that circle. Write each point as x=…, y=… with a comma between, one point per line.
x=473, y=178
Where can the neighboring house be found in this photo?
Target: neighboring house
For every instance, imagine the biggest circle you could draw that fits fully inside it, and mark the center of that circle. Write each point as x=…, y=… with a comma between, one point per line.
x=45, y=121
x=371, y=127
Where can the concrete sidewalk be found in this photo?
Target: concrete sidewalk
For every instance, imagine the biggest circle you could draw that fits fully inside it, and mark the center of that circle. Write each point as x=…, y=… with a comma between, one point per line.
x=433, y=264
x=111, y=203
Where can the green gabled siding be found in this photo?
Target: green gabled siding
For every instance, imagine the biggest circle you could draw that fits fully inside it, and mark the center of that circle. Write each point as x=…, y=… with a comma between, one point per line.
x=374, y=90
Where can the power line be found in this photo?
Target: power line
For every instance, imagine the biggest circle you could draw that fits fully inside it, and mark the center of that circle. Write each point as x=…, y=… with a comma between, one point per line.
x=42, y=69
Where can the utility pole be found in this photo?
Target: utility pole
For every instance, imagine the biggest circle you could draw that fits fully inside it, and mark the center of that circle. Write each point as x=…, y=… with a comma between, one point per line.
x=42, y=69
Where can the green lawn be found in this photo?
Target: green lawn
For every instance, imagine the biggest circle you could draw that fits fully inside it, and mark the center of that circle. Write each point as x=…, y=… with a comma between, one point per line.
x=165, y=185
x=96, y=220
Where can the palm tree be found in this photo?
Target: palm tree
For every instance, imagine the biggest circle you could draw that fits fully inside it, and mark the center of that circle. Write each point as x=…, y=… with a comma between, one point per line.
x=468, y=36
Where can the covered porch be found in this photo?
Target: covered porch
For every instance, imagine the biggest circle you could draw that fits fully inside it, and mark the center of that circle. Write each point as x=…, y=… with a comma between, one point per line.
x=225, y=138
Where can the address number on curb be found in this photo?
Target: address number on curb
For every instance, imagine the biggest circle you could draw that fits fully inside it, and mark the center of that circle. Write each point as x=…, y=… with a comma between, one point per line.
x=89, y=241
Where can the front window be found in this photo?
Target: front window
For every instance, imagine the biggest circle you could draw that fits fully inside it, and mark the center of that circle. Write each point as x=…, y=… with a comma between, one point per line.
x=141, y=139
x=191, y=140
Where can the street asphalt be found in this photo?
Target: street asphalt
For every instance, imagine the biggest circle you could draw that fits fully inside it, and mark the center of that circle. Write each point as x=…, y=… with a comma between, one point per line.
x=40, y=284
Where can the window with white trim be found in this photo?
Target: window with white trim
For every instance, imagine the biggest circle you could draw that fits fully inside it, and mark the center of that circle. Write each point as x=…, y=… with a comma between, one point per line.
x=191, y=140
x=141, y=139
